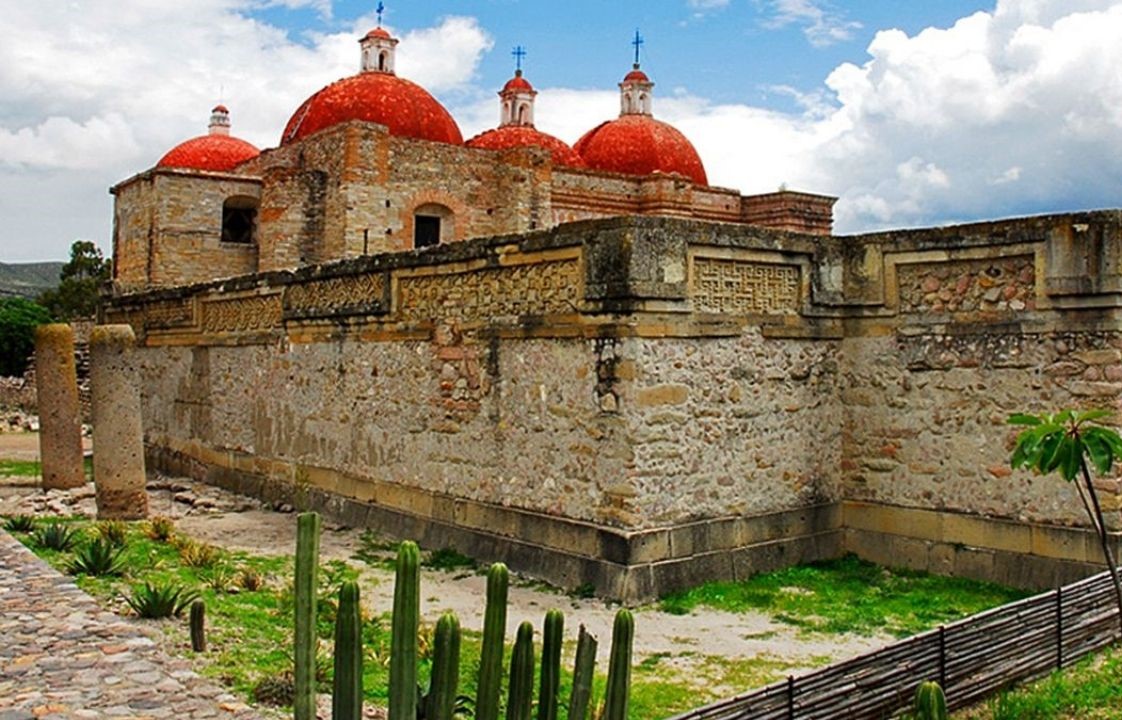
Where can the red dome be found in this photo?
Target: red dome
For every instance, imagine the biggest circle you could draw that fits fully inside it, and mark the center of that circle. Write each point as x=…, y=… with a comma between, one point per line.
x=518, y=83
x=404, y=107
x=640, y=145
x=515, y=136
x=219, y=153
x=636, y=75
x=379, y=32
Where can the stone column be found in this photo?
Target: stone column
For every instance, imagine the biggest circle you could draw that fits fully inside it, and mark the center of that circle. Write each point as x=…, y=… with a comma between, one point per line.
x=118, y=435
x=60, y=424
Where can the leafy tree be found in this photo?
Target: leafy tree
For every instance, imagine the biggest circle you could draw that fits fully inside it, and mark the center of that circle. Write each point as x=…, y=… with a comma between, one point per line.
x=79, y=280
x=1063, y=443
x=18, y=318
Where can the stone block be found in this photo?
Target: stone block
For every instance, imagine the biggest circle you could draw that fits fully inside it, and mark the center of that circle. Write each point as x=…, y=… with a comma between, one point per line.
x=662, y=395
x=987, y=533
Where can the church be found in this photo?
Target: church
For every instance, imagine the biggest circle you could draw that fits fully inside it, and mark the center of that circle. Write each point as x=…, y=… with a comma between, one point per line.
x=373, y=163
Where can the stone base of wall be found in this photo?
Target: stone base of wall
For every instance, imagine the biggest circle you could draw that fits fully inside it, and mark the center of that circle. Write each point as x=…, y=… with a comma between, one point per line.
x=1018, y=554
x=633, y=567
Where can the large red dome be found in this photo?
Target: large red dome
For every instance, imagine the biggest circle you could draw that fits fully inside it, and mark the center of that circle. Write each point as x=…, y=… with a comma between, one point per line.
x=219, y=153
x=404, y=107
x=514, y=136
x=640, y=145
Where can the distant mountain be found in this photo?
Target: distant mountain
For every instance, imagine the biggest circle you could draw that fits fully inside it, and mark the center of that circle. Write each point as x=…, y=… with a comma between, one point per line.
x=28, y=279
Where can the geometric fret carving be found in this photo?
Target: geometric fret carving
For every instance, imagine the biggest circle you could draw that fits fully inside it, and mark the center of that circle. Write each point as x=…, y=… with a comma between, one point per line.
x=244, y=314
x=737, y=287
x=346, y=295
x=542, y=288
x=169, y=313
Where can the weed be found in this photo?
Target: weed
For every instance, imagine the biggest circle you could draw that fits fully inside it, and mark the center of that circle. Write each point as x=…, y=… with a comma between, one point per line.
x=199, y=555
x=113, y=531
x=160, y=528
x=56, y=536
x=160, y=600
x=278, y=689
x=375, y=550
x=20, y=523
x=448, y=559
x=250, y=579
x=584, y=591
x=219, y=577
x=97, y=558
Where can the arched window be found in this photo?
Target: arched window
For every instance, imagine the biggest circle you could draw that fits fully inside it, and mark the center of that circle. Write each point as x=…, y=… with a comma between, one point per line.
x=432, y=224
x=644, y=102
x=239, y=219
x=382, y=57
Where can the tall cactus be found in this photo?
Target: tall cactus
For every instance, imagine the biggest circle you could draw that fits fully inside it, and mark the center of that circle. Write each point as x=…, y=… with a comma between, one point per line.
x=552, y=631
x=440, y=703
x=403, y=644
x=307, y=565
x=346, y=695
x=619, y=667
x=521, y=697
x=584, y=667
x=931, y=704
x=198, y=626
x=491, y=656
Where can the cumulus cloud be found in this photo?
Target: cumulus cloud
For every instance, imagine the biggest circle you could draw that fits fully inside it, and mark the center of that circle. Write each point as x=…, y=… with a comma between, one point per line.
x=821, y=23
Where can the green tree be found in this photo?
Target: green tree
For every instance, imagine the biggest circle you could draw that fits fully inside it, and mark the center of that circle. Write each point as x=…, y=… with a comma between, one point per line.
x=18, y=318
x=1063, y=443
x=79, y=281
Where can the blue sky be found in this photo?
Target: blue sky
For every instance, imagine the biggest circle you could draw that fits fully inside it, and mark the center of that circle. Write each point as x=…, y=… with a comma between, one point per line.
x=912, y=113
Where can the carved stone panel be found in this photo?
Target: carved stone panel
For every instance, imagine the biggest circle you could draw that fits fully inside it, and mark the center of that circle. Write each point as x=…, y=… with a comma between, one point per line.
x=346, y=295
x=739, y=287
x=170, y=314
x=532, y=289
x=243, y=314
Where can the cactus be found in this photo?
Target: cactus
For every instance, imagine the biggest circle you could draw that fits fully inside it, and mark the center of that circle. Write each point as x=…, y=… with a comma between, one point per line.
x=307, y=559
x=930, y=702
x=403, y=644
x=346, y=695
x=619, y=667
x=583, y=669
x=551, y=665
x=491, y=656
x=521, y=697
x=440, y=703
x=198, y=626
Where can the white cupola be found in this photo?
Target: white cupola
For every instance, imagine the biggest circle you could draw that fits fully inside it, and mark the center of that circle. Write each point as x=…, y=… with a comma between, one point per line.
x=378, y=49
x=219, y=120
x=517, y=102
x=635, y=93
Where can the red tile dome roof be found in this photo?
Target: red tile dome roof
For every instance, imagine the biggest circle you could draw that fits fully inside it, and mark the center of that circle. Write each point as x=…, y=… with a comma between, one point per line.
x=640, y=145
x=518, y=83
x=407, y=109
x=515, y=136
x=636, y=75
x=218, y=153
x=379, y=32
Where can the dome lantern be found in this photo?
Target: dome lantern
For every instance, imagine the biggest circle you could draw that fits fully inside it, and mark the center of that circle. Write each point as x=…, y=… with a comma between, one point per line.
x=518, y=97
x=217, y=151
x=378, y=50
x=219, y=120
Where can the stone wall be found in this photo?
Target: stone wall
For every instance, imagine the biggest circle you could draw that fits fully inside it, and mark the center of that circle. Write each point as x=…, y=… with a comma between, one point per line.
x=642, y=403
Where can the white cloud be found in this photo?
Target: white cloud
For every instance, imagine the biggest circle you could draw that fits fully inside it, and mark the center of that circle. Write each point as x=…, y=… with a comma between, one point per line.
x=821, y=23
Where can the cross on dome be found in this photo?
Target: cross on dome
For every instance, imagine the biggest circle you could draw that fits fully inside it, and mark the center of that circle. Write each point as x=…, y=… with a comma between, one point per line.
x=518, y=52
x=638, y=42
x=380, y=9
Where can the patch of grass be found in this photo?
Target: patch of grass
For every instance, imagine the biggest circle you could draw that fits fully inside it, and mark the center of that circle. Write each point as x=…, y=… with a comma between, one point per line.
x=848, y=595
x=448, y=559
x=20, y=468
x=375, y=550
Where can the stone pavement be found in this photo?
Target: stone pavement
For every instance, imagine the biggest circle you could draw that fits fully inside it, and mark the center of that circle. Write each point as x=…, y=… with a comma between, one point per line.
x=62, y=656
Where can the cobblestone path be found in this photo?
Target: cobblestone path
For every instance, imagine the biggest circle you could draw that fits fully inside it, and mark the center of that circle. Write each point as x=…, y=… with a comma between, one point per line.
x=62, y=656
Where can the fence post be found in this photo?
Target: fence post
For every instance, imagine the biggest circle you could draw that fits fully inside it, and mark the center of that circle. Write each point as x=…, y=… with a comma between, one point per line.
x=790, y=697
x=1059, y=627
x=943, y=657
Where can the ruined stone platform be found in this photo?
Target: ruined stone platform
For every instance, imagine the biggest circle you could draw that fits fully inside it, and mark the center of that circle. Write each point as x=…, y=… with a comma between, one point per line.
x=62, y=656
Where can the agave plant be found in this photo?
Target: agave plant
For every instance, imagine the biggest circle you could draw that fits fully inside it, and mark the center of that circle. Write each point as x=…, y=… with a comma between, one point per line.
x=56, y=536
x=20, y=523
x=160, y=528
x=199, y=555
x=115, y=532
x=160, y=600
x=97, y=558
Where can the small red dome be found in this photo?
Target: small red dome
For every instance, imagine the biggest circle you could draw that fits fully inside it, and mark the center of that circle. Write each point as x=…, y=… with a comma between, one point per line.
x=514, y=136
x=218, y=153
x=636, y=75
x=379, y=32
x=407, y=109
x=640, y=145
x=518, y=83
x=220, y=109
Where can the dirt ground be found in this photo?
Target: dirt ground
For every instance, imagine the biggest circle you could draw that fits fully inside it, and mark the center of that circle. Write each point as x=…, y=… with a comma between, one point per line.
x=237, y=523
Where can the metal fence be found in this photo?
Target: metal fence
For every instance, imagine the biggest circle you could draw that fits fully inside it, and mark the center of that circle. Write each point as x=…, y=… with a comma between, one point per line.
x=971, y=658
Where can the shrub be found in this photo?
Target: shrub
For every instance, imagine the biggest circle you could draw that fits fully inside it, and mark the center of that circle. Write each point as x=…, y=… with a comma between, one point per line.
x=97, y=558
x=160, y=600
x=20, y=523
x=56, y=536
x=251, y=580
x=115, y=532
x=160, y=528
x=18, y=318
x=199, y=555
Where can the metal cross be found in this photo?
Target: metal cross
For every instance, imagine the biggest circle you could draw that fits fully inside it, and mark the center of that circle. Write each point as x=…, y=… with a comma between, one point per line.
x=638, y=43
x=380, y=9
x=518, y=52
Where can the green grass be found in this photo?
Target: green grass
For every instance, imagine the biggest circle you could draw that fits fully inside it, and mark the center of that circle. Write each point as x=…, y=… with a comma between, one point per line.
x=20, y=468
x=848, y=596
x=1089, y=690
